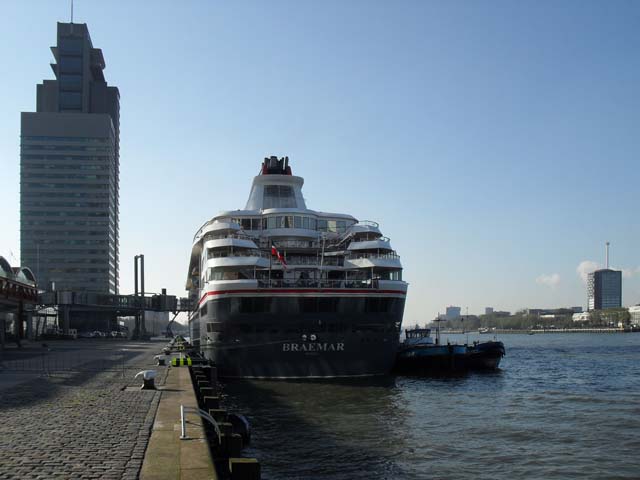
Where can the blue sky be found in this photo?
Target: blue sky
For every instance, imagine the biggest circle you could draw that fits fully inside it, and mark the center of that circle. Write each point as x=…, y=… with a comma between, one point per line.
x=497, y=143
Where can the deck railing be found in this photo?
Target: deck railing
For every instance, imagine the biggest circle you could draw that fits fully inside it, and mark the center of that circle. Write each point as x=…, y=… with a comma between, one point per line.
x=236, y=253
x=354, y=255
x=311, y=283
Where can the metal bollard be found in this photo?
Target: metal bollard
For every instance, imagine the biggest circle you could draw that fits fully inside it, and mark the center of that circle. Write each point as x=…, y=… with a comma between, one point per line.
x=148, y=377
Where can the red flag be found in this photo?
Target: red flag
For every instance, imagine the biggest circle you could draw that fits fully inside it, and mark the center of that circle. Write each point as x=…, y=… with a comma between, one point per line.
x=276, y=253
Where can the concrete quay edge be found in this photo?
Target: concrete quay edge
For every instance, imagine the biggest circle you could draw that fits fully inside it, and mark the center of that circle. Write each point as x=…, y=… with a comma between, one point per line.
x=167, y=457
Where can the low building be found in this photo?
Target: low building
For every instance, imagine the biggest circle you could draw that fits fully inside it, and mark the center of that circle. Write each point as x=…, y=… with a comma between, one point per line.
x=581, y=317
x=18, y=295
x=634, y=315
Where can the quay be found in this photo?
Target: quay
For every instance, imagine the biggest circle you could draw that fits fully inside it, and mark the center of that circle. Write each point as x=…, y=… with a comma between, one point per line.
x=75, y=409
x=168, y=457
x=72, y=409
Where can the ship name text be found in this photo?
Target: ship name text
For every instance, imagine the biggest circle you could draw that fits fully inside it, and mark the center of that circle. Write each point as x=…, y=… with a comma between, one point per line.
x=313, y=347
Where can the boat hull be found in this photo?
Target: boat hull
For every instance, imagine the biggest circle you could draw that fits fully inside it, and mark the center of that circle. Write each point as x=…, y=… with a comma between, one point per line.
x=448, y=359
x=431, y=359
x=485, y=355
x=284, y=341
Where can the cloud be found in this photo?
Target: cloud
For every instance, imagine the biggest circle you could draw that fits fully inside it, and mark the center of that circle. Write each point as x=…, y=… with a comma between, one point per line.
x=552, y=280
x=585, y=268
x=630, y=272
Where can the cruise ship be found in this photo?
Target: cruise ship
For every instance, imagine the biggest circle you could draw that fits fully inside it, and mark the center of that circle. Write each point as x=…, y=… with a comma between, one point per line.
x=282, y=291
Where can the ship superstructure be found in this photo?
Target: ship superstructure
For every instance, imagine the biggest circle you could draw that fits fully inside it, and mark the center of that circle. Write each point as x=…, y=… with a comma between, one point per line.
x=283, y=291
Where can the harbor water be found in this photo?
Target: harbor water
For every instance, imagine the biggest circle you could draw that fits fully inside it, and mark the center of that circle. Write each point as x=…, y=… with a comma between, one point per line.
x=562, y=406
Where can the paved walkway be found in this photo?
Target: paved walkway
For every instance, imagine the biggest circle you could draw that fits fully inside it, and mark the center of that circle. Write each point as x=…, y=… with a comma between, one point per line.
x=168, y=457
x=75, y=419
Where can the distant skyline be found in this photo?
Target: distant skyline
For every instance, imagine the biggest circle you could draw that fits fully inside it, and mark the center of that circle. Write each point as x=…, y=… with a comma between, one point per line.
x=496, y=143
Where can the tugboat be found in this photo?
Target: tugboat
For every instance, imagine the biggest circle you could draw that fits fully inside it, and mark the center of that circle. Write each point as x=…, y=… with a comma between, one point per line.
x=420, y=354
x=485, y=355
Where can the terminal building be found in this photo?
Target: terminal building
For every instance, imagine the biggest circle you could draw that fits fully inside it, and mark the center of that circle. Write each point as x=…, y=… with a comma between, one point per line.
x=18, y=294
x=604, y=289
x=69, y=172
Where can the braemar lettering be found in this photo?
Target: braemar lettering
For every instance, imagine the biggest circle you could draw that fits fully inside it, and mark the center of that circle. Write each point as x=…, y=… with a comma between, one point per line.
x=313, y=347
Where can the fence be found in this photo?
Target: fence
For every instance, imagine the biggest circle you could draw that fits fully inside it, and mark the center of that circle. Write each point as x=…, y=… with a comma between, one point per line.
x=48, y=362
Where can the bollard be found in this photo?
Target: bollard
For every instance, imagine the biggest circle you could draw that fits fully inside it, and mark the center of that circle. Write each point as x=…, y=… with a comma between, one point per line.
x=244, y=469
x=148, y=382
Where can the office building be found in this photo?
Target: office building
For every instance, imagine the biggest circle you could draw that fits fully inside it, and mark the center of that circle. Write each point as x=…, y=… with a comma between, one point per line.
x=604, y=289
x=452, y=313
x=69, y=171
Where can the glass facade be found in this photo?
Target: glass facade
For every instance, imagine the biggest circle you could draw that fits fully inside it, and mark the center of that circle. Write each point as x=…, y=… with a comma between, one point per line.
x=278, y=196
x=294, y=221
x=69, y=172
x=604, y=289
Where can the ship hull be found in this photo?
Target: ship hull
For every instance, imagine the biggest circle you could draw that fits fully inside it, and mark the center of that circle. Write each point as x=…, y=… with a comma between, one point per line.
x=339, y=337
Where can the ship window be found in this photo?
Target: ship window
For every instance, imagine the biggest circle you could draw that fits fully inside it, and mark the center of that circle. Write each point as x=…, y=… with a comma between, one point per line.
x=297, y=222
x=312, y=224
x=341, y=226
x=255, y=224
x=271, y=222
x=245, y=223
x=203, y=310
x=322, y=225
x=278, y=196
x=305, y=222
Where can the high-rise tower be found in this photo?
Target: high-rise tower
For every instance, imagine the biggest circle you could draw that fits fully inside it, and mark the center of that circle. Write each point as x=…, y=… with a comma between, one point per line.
x=70, y=167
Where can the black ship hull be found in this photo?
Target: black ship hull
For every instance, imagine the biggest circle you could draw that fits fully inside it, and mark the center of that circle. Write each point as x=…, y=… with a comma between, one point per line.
x=300, y=336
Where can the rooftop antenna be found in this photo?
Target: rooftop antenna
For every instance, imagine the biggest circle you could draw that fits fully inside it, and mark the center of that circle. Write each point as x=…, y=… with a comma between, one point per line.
x=606, y=256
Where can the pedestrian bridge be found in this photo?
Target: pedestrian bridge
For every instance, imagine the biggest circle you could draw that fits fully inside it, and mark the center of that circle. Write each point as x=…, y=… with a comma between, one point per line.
x=123, y=304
